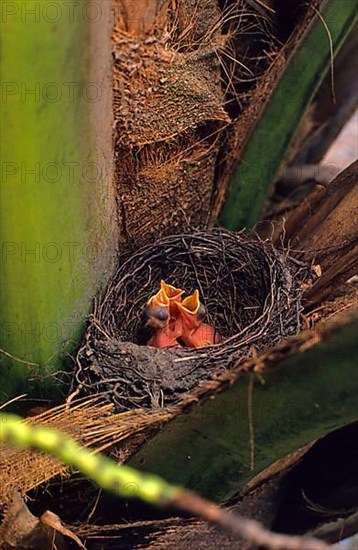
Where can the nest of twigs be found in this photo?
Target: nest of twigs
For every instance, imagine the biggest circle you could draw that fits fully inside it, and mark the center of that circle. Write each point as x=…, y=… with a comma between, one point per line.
x=252, y=294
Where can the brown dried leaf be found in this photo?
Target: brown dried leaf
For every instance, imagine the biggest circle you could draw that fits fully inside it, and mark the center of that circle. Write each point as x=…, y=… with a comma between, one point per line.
x=21, y=530
x=54, y=522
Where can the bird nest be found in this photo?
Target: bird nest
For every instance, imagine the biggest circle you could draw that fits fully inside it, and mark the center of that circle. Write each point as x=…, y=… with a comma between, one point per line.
x=252, y=295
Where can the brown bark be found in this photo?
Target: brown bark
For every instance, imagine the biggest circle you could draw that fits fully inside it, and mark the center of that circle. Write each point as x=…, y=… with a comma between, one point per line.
x=168, y=106
x=324, y=230
x=183, y=72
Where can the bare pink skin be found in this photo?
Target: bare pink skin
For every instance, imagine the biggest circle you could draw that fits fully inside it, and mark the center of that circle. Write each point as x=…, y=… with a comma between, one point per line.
x=168, y=330
x=204, y=335
x=163, y=338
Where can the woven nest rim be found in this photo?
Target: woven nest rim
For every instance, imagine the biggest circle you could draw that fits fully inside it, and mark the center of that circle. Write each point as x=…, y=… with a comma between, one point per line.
x=224, y=261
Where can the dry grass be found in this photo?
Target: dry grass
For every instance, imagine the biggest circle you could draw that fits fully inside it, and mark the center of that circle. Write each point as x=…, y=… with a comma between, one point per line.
x=90, y=421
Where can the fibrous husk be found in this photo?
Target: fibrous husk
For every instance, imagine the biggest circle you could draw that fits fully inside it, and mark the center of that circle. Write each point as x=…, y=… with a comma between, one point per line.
x=251, y=292
x=182, y=73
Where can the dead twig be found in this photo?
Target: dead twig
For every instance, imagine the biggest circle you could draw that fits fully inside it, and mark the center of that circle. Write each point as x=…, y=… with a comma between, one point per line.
x=248, y=529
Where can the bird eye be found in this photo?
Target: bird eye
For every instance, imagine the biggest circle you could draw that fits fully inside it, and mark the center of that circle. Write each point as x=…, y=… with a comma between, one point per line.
x=201, y=312
x=161, y=315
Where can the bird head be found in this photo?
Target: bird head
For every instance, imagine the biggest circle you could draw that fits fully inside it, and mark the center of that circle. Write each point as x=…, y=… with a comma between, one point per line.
x=192, y=311
x=157, y=311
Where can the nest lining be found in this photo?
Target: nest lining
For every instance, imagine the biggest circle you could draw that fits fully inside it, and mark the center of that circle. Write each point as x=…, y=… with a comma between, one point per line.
x=252, y=294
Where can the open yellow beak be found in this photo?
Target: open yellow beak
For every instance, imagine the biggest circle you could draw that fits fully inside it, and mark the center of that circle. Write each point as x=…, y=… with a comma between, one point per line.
x=191, y=304
x=159, y=299
x=174, y=294
x=191, y=311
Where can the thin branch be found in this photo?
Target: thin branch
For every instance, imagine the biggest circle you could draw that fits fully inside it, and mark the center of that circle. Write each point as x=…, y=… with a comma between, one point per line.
x=248, y=529
x=331, y=52
x=337, y=530
x=250, y=397
x=127, y=482
x=22, y=361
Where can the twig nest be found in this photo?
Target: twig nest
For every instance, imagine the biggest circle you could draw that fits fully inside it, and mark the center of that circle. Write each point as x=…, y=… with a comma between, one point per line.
x=252, y=294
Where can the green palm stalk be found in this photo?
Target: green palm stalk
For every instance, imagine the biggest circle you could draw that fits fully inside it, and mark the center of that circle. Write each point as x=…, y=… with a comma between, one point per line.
x=57, y=221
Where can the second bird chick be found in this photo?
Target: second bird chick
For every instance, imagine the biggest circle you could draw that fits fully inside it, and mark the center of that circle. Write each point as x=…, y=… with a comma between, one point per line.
x=196, y=333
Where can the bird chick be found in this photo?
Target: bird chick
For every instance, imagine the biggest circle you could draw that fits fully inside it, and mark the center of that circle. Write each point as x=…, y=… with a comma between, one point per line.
x=174, y=295
x=195, y=333
x=157, y=311
x=163, y=338
x=163, y=316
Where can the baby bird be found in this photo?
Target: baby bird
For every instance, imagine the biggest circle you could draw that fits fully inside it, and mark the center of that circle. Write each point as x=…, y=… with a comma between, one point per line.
x=174, y=294
x=157, y=311
x=195, y=333
x=162, y=315
x=162, y=338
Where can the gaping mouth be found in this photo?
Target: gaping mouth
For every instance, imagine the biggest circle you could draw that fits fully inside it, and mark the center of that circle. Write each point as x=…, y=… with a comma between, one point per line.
x=157, y=310
x=173, y=293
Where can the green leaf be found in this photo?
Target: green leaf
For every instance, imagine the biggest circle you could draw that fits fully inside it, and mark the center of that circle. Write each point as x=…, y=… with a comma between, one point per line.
x=268, y=143
x=304, y=396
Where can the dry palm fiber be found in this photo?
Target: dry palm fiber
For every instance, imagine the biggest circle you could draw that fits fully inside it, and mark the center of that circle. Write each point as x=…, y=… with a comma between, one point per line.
x=91, y=422
x=183, y=72
x=251, y=292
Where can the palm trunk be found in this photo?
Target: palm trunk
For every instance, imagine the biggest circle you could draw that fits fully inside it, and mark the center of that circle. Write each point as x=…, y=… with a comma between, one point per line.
x=58, y=222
